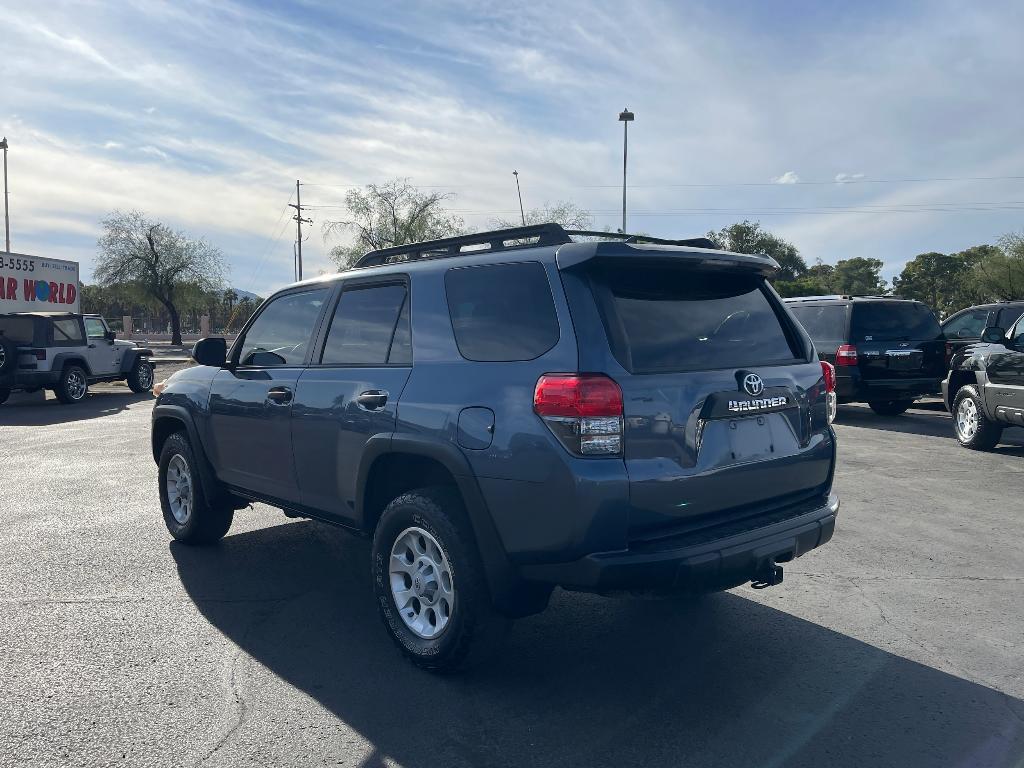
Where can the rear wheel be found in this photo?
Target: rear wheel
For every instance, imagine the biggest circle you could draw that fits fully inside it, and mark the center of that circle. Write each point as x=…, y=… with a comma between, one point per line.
x=890, y=407
x=140, y=378
x=973, y=428
x=430, y=584
x=187, y=514
x=73, y=385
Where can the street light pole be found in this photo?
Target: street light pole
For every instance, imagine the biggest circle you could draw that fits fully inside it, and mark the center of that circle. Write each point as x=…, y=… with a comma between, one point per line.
x=625, y=117
x=7, y=214
x=522, y=214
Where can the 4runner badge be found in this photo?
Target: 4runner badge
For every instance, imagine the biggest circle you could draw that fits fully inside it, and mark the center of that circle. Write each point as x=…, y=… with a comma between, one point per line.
x=748, y=406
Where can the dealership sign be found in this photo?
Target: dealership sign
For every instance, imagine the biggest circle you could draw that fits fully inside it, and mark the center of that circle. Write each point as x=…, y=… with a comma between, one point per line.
x=35, y=284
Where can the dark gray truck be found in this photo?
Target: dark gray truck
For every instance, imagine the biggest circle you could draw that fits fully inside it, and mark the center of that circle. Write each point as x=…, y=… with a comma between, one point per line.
x=508, y=412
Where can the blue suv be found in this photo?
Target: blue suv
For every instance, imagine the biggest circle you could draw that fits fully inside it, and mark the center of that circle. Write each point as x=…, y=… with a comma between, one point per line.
x=512, y=411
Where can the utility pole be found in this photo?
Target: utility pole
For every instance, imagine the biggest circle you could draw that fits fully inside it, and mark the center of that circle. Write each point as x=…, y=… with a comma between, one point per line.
x=299, y=221
x=522, y=214
x=7, y=214
x=625, y=117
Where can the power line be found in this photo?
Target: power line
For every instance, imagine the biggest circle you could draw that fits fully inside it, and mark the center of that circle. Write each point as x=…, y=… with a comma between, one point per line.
x=698, y=185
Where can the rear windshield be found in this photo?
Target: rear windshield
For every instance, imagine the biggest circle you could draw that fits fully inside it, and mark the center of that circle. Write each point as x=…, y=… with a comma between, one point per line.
x=19, y=330
x=893, y=321
x=663, y=319
x=822, y=323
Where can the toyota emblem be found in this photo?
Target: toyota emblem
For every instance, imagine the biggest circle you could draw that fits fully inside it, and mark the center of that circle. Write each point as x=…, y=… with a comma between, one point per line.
x=753, y=384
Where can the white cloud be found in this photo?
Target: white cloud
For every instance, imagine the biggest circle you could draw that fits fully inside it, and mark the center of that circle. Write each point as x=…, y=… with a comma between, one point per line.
x=789, y=177
x=113, y=145
x=844, y=178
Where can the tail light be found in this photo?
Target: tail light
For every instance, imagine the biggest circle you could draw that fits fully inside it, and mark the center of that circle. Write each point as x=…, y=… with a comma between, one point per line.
x=846, y=355
x=583, y=410
x=828, y=373
x=40, y=354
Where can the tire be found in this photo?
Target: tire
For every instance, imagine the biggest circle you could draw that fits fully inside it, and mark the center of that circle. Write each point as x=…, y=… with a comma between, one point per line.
x=974, y=429
x=4, y=394
x=73, y=385
x=890, y=407
x=445, y=580
x=8, y=358
x=188, y=516
x=140, y=377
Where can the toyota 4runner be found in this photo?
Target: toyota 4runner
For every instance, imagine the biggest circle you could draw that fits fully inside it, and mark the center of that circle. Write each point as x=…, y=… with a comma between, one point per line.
x=512, y=411
x=66, y=353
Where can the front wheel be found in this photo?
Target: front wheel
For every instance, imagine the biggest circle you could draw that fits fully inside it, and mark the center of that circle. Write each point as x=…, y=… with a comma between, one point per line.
x=73, y=385
x=890, y=407
x=973, y=428
x=429, y=582
x=187, y=514
x=140, y=378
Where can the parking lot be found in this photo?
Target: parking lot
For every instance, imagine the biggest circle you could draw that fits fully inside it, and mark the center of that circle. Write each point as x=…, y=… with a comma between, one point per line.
x=898, y=644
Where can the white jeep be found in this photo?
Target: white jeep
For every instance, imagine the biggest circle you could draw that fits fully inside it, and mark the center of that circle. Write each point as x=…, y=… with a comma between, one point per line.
x=66, y=353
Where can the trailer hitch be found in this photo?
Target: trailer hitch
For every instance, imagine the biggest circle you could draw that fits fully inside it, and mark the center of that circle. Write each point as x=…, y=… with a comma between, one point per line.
x=769, y=577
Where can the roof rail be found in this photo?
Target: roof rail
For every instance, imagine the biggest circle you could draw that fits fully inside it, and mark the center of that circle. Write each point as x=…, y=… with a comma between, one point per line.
x=506, y=239
x=497, y=240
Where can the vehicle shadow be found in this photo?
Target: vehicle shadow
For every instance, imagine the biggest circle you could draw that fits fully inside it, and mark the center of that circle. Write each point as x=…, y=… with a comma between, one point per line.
x=930, y=423
x=37, y=411
x=722, y=681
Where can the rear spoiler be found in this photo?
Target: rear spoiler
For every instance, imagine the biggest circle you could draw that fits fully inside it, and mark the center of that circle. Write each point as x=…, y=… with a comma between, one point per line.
x=574, y=254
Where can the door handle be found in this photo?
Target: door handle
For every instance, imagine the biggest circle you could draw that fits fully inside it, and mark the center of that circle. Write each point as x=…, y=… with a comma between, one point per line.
x=372, y=399
x=279, y=395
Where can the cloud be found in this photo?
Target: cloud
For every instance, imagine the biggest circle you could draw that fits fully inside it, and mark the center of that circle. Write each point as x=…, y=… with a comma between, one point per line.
x=789, y=177
x=843, y=178
x=113, y=145
x=155, y=151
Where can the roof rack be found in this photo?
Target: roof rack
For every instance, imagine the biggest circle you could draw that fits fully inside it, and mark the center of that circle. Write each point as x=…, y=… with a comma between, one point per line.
x=530, y=236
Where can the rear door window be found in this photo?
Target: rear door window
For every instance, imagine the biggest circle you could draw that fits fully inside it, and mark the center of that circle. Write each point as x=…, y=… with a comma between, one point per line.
x=893, y=321
x=68, y=333
x=365, y=328
x=503, y=312
x=823, y=323
x=664, y=319
x=1007, y=317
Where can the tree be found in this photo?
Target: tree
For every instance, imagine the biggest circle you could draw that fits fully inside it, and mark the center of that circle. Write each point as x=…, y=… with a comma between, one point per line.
x=937, y=279
x=998, y=273
x=161, y=261
x=749, y=237
x=565, y=213
x=859, y=275
x=384, y=215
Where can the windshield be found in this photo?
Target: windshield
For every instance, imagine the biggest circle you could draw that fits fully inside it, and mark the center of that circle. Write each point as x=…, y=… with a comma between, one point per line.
x=893, y=321
x=822, y=323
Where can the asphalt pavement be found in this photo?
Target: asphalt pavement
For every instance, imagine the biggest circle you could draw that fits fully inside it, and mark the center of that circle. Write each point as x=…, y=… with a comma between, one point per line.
x=897, y=644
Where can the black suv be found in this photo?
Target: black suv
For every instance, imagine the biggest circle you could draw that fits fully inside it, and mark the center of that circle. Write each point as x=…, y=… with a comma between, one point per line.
x=985, y=387
x=965, y=327
x=508, y=412
x=887, y=352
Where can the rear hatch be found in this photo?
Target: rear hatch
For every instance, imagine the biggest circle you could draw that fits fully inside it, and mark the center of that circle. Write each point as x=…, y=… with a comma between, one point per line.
x=897, y=340
x=725, y=414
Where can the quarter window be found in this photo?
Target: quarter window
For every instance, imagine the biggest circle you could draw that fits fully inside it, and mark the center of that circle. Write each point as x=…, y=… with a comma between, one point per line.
x=68, y=332
x=503, y=312
x=283, y=331
x=370, y=327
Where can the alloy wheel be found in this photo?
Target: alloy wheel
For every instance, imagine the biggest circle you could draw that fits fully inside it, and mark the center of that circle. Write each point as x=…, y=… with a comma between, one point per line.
x=421, y=583
x=76, y=385
x=967, y=419
x=179, y=488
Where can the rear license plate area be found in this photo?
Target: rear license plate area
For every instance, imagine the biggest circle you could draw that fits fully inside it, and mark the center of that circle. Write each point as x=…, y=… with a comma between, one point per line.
x=750, y=438
x=904, y=361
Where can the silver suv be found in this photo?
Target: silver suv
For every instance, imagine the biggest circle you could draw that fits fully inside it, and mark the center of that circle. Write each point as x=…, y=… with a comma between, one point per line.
x=66, y=353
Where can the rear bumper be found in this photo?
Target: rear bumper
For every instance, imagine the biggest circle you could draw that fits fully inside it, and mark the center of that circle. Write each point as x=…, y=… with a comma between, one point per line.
x=857, y=389
x=31, y=380
x=708, y=566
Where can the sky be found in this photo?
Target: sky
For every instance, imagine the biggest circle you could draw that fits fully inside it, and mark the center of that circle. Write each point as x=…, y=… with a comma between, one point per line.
x=851, y=129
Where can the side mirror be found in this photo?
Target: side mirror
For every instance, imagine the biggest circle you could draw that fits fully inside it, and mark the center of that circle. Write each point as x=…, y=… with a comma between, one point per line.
x=212, y=351
x=109, y=335
x=993, y=335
